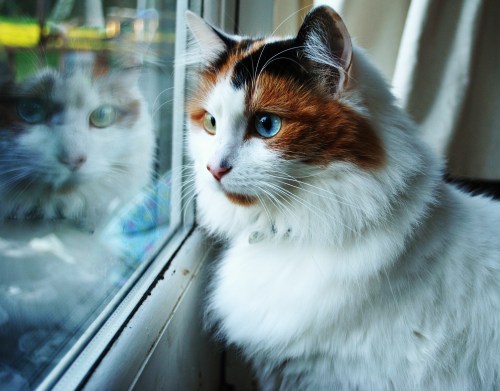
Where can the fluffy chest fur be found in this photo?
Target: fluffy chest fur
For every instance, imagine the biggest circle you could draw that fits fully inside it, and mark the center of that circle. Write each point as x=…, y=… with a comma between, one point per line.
x=349, y=263
x=419, y=320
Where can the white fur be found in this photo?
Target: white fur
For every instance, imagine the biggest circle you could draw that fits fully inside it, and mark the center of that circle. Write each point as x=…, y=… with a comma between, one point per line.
x=352, y=279
x=118, y=158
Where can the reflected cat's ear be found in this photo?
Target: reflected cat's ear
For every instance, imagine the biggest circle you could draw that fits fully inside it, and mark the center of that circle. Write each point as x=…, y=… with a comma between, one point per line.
x=327, y=44
x=135, y=50
x=210, y=43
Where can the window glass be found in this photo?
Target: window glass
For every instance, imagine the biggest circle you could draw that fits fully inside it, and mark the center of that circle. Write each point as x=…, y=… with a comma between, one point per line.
x=85, y=155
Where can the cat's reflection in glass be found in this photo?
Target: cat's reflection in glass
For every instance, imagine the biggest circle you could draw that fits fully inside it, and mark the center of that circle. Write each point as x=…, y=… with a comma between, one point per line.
x=75, y=142
x=77, y=145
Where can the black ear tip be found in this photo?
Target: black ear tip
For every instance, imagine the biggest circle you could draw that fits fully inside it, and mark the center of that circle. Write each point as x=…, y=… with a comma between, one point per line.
x=319, y=18
x=322, y=11
x=322, y=8
x=326, y=41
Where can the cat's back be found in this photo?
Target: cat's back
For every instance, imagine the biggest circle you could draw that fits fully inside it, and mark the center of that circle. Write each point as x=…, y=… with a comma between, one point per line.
x=470, y=227
x=470, y=253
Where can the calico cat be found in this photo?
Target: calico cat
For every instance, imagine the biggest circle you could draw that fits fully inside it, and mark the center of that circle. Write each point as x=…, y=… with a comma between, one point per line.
x=73, y=142
x=350, y=263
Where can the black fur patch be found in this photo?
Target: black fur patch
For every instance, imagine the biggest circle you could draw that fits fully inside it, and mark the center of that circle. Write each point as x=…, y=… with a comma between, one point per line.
x=281, y=58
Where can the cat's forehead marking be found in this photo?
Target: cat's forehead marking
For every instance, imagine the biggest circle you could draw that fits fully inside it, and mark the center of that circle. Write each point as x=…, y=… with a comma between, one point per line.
x=241, y=49
x=223, y=101
x=278, y=57
x=219, y=72
x=248, y=59
x=227, y=104
x=227, y=99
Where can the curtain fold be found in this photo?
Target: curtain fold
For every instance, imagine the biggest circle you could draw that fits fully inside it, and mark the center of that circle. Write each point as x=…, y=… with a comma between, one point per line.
x=435, y=77
x=376, y=25
x=446, y=62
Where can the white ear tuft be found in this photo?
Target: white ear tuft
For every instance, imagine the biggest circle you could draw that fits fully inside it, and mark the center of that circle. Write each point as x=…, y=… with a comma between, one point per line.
x=209, y=41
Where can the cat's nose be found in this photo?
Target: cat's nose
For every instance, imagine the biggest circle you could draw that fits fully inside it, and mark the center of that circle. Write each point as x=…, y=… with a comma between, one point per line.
x=73, y=162
x=218, y=172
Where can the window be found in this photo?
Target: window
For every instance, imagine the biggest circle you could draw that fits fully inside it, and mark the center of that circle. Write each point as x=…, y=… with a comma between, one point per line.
x=90, y=176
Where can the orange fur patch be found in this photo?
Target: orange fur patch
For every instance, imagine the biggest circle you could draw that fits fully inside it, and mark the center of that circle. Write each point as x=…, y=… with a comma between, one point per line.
x=237, y=54
x=101, y=65
x=315, y=129
x=134, y=110
x=195, y=105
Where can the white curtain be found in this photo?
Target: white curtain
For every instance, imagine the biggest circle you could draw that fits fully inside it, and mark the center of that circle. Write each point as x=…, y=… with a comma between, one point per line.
x=443, y=57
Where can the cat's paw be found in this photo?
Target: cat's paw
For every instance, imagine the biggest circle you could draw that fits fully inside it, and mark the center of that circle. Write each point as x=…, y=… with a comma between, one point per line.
x=273, y=232
x=281, y=231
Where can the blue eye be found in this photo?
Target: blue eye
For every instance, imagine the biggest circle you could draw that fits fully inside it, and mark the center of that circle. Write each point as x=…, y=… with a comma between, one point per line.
x=31, y=110
x=103, y=116
x=267, y=125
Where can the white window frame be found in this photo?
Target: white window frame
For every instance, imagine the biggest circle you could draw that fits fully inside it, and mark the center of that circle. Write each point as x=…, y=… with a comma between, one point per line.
x=96, y=347
x=154, y=339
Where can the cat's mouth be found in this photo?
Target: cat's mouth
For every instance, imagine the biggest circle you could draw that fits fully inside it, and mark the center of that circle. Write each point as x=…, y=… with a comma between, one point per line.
x=241, y=199
x=67, y=186
x=235, y=197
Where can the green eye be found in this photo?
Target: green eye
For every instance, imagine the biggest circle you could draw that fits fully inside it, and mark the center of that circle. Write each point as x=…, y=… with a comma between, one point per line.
x=267, y=125
x=209, y=123
x=31, y=111
x=103, y=116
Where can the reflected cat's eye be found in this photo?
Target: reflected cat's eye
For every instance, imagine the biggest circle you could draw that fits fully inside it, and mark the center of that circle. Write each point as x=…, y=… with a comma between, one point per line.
x=209, y=123
x=32, y=111
x=267, y=125
x=103, y=116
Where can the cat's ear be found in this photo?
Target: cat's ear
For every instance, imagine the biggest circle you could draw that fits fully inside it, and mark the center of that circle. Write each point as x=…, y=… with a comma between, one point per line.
x=210, y=42
x=139, y=52
x=327, y=45
x=130, y=56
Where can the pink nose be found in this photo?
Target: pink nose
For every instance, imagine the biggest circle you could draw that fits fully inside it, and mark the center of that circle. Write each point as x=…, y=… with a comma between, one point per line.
x=218, y=172
x=74, y=162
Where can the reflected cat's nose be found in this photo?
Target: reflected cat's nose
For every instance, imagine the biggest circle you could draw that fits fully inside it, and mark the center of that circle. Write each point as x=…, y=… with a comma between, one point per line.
x=73, y=162
x=218, y=172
